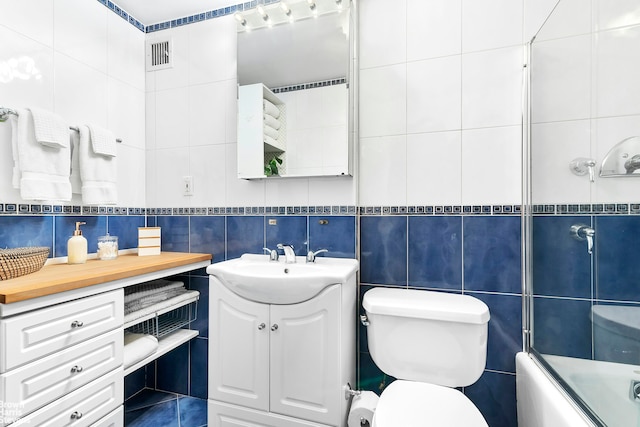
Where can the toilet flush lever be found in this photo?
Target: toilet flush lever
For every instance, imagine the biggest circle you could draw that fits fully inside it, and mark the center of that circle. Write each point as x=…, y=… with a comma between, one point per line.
x=583, y=232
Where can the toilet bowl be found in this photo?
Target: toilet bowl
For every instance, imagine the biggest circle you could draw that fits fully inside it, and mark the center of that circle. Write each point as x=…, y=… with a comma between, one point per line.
x=431, y=342
x=416, y=404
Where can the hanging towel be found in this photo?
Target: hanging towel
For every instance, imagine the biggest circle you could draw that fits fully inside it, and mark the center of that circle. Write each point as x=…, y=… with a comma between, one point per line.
x=76, y=181
x=98, y=173
x=51, y=130
x=268, y=130
x=41, y=170
x=270, y=108
x=271, y=121
x=15, y=178
x=102, y=141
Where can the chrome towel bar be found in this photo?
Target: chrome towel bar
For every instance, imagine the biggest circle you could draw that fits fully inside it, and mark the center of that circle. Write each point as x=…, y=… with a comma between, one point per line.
x=4, y=116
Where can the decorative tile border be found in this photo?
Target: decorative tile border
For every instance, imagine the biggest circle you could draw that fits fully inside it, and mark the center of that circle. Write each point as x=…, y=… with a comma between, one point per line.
x=311, y=85
x=202, y=16
x=587, y=209
x=548, y=209
x=123, y=14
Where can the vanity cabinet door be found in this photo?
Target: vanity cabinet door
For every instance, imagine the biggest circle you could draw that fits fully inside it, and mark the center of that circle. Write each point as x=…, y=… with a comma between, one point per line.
x=305, y=358
x=238, y=349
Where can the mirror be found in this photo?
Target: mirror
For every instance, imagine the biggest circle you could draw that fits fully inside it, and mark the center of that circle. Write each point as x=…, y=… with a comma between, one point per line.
x=294, y=89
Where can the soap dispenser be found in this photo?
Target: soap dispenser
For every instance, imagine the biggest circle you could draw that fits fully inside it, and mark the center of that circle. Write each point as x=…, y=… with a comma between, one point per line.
x=77, y=246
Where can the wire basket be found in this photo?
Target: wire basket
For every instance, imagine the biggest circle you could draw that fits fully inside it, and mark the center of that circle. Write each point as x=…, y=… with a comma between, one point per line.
x=20, y=261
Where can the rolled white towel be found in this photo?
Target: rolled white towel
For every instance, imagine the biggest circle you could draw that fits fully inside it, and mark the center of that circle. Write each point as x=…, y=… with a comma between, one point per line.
x=268, y=130
x=137, y=347
x=270, y=108
x=272, y=121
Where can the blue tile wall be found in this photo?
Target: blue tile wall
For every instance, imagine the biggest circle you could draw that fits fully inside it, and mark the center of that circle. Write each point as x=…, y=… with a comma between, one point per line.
x=492, y=254
x=245, y=234
x=288, y=230
x=21, y=231
x=65, y=225
x=475, y=254
x=126, y=228
x=383, y=250
x=435, y=252
x=337, y=234
x=562, y=266
x=462, y=253
x=617, y=252
x=568, y=281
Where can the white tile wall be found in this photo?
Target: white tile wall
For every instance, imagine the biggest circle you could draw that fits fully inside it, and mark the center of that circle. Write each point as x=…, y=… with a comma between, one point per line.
x=584, y=98
x=443, y=80
x=87, y=70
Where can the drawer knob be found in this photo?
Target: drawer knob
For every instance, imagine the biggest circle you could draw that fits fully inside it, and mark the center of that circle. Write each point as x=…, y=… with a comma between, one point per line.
x=76, y=368
x=77, y=324
x=261, y=326
x=76, y=415
x=274, y=327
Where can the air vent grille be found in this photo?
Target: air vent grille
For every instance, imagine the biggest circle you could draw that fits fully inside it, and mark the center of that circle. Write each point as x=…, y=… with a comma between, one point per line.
x=159, y=55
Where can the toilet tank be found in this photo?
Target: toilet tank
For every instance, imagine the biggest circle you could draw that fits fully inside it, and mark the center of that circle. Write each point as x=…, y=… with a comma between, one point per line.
x=433, y=337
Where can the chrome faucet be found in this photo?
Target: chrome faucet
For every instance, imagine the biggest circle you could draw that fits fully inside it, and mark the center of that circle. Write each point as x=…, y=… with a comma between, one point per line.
x=289, y=254
x=311, y=256
x=273, y=254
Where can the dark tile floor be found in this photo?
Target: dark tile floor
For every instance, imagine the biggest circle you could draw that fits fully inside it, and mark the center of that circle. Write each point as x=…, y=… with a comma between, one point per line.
x=151, y=408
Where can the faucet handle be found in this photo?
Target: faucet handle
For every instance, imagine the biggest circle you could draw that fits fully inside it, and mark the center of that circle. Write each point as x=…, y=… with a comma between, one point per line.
x=311, y=256
x=273, y=254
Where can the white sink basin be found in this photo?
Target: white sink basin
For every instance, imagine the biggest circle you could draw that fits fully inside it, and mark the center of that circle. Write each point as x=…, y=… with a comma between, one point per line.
x=256, y=278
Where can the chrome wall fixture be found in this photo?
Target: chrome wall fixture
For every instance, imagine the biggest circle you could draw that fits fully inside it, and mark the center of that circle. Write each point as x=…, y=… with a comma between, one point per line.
x=623, y=160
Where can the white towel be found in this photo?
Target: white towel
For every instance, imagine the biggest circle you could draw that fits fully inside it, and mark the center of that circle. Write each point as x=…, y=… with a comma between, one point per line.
x=50, y=128
x=271, y=121
x=137, y=347
x=43, y=170
x=76, y=181
x=268, y=130
x=15, y=178
x=270, y=108
x=271, y=141
x=102, y=141
x=97, y=172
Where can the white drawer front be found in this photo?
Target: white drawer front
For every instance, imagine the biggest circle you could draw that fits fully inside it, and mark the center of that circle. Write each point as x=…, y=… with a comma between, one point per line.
x=45, y=380
x=114, y=419
x=83, y=407
x=38, y=333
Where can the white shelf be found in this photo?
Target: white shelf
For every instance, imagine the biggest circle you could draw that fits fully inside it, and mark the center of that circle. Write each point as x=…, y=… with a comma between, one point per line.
x=165, y=345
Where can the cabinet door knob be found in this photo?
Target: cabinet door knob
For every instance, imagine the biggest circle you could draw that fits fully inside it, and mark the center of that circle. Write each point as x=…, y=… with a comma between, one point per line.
x=261, y=326
x=274, y=327
x=76, y=415
x=77, y=324
x=76, y=368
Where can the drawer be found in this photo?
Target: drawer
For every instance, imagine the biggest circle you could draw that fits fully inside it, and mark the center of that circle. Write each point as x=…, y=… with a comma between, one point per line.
x=33, y=335
x=83, y=407
x=47, y=379
x=114, y=419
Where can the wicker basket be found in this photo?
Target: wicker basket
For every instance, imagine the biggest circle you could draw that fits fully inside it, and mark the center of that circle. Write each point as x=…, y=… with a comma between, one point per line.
x=20, y=261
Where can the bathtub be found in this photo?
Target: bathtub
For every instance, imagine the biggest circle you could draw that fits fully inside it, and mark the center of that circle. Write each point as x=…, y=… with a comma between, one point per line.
x=541, y=403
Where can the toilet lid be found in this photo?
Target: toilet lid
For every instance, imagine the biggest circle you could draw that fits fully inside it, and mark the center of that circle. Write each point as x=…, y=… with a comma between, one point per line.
x=415, y=404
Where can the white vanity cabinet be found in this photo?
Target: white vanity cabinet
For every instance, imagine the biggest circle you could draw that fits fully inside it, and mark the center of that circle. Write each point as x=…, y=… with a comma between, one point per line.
x=62, y=339
x=63, y=362
x=280, y=365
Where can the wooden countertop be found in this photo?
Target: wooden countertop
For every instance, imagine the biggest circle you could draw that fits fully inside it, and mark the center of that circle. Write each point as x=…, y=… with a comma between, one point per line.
x=56, y=278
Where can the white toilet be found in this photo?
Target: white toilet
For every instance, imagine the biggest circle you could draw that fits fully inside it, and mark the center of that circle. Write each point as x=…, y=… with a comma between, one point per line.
x=431, y=342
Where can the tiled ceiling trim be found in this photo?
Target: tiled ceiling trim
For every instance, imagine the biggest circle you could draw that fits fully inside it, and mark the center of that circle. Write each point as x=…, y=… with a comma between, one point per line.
x=211, y=14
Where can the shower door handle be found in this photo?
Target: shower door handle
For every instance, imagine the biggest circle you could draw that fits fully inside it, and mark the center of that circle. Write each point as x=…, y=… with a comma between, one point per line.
x=584, y=232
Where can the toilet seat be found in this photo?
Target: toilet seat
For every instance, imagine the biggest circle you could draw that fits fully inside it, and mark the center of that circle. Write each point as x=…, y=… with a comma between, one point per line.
x=415, y=404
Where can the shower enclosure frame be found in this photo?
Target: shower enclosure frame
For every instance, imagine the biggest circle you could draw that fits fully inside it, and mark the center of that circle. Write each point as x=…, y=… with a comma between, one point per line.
x=527, y=234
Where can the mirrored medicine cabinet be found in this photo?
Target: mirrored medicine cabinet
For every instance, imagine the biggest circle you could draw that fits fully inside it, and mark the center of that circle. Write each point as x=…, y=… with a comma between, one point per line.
x=296, y=104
